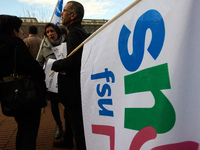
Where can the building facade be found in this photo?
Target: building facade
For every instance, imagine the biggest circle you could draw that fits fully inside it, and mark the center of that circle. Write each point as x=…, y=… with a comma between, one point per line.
x=90, y=25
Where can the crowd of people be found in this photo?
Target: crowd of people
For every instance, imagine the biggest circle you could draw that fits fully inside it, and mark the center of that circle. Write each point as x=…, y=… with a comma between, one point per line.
x=32, y=54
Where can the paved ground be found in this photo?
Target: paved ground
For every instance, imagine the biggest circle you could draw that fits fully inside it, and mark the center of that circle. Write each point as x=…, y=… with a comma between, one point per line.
x=8, y=130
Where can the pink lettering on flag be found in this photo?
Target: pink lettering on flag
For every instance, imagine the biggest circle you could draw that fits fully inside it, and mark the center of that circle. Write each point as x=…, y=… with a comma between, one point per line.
x=189, y=145
x=105, y=130
x=144, y=135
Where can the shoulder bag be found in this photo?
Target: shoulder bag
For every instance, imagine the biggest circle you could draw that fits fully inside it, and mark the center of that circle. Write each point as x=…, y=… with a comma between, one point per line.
x=20, y=94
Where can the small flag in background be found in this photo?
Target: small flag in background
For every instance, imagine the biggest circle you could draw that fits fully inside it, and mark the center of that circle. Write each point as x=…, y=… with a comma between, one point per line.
x=56, y=17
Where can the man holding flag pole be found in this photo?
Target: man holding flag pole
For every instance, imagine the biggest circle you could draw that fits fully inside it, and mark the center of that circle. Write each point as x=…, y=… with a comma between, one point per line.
x=69, y=80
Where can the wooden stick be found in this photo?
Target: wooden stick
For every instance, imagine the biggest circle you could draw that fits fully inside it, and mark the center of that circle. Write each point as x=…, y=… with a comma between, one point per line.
x=102, y=27
x=52, y=73
x=41, y=45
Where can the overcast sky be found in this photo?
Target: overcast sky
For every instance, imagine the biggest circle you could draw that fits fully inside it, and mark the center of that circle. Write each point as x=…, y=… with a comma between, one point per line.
x=43, y=9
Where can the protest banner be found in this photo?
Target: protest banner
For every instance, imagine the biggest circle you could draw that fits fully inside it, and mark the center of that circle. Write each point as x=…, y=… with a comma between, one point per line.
x=140, y=79
x=60, y=51
x=51, y=81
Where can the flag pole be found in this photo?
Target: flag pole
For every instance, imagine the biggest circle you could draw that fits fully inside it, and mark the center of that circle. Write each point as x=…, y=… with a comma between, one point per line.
x=41, y=45
x=104, y=26
x=101, y=28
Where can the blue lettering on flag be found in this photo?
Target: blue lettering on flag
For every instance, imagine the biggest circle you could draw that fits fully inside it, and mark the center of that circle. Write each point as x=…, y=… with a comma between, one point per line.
x=152, y=20
x=58, y=24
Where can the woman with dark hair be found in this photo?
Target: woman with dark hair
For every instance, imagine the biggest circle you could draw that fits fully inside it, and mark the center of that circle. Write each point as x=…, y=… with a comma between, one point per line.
x=11, y=37
x=53, y=37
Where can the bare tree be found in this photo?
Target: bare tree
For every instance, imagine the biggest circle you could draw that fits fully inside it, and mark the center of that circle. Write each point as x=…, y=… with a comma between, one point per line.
x=38, y=13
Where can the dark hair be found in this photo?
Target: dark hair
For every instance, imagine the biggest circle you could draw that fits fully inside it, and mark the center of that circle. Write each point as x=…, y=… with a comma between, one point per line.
x=56, y=28
x=32, y=29
x=9, y=23
x=63, y=31
x=78, y=9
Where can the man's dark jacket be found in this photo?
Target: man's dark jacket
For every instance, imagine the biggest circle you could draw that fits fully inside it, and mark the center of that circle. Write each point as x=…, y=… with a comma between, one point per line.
x=69, y=84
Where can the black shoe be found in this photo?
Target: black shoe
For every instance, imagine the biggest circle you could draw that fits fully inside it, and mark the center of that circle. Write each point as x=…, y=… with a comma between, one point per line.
x=63, y=144
x=58, y=132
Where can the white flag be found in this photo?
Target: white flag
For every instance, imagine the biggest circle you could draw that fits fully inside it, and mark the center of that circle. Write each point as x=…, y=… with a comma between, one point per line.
x=140, y=79
x=56, y=17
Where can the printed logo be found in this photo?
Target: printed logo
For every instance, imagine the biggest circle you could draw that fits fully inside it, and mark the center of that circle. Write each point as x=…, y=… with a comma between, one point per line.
x=55, y=49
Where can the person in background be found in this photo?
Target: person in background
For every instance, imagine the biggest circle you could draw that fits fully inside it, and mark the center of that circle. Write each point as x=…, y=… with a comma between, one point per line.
x=33, y=41
x=69, y=80
x=11, y=37
x=53, y=37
